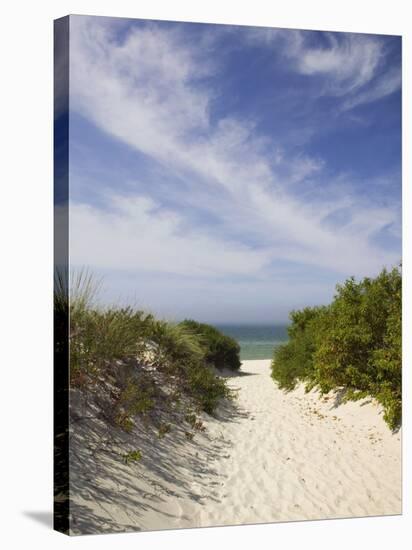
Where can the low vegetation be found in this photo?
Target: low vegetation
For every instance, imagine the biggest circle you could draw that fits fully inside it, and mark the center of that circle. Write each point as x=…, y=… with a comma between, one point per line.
x=353, y=344
x=145, y=365
x=220, y=350
x=132, y=456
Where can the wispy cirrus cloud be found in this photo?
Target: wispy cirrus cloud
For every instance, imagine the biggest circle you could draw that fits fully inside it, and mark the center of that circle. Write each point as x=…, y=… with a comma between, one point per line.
x=386, y=84
x=348, y=64
x=154, y=90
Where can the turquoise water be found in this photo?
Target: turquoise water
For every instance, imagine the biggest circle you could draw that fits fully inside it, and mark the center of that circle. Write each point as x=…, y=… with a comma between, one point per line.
x=256, y=341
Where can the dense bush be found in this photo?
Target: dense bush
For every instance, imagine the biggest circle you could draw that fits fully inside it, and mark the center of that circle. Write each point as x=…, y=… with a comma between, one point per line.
x=294, y=361
x=181, y=353
x=221, y=350
x=353, y=344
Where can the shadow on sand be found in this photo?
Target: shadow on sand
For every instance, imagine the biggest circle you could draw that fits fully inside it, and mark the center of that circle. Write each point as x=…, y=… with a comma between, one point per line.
x=171, y=466
x=236, y=374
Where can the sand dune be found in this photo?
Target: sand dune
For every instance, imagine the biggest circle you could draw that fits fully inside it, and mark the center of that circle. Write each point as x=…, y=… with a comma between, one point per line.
x=273, y=456
x=293, y=456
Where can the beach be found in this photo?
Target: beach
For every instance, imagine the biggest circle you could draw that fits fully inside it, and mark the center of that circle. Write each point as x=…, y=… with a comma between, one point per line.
x=269, y=456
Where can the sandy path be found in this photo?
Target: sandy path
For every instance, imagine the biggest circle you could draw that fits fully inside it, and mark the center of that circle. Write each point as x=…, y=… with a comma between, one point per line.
x=293, y=456
x=269, y=457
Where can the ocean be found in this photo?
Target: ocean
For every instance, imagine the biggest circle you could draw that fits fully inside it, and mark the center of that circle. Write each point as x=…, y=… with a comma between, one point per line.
x=256, y=341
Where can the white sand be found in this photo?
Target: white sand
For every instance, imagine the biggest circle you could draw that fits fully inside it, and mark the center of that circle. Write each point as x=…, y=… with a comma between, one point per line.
x=272, y=457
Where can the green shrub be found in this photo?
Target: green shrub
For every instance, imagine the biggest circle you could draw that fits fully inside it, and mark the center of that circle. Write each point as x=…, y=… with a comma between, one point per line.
x=206, y=388
x=175, y=345
x=101, y=337
x=293, y=361
x=104, y=340
x=221, y=351
x=137, y=397
x=132, y=456
x=353, y=344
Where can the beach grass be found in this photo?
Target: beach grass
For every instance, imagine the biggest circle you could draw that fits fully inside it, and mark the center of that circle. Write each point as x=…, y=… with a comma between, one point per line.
x=141, y=356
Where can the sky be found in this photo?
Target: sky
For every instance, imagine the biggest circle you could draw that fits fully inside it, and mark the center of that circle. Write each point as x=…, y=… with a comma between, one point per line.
x=231, y=174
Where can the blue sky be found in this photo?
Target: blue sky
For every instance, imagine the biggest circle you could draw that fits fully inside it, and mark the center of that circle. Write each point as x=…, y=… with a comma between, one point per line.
x=232, y=173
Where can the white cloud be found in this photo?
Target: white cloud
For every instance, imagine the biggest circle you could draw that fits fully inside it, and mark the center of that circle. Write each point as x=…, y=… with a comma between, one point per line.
x=351, y=65
x=349, y=62
x=135, y=235
x=149, y=92
x=385, y=85
x=141, y=90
